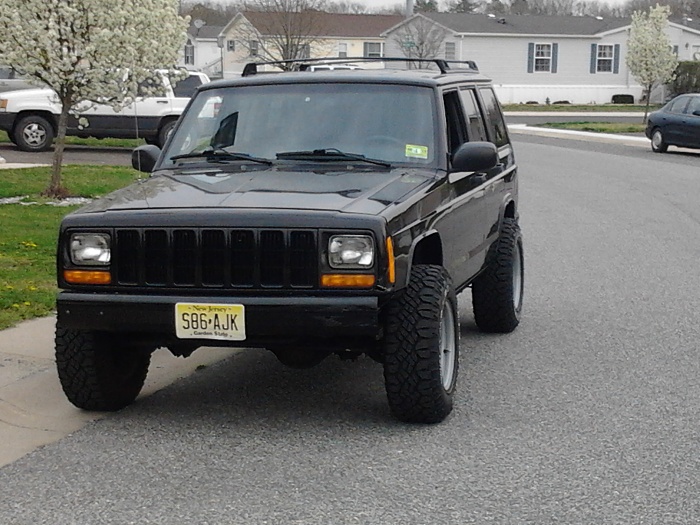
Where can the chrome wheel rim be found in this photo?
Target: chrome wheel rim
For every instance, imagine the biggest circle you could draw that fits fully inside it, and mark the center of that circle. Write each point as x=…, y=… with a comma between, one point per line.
x=448, y=346
x=517, y=277
x=657, y=139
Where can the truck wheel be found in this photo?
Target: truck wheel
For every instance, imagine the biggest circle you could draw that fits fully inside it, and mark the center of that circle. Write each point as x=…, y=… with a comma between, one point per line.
x=96, y=373
x=421, y=347
x=33, y=133
x=165, y=132
x=658, y=144
x=497, y=294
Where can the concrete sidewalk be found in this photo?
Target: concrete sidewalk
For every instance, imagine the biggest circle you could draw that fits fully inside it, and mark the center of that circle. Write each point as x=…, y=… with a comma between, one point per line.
x=33, y=408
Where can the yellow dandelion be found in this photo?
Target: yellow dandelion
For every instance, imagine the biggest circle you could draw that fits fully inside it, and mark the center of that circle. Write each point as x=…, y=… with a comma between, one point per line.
x=27, y=303
x=15, y=305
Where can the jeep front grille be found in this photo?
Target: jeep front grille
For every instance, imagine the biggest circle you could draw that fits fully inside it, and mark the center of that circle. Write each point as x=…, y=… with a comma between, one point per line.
x=216, y=258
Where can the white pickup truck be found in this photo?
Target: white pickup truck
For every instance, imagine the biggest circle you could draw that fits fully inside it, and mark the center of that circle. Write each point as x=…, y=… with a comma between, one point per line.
x=30, y=116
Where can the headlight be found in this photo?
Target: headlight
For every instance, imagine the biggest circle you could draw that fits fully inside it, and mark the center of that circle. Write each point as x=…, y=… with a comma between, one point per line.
x=351, y=251
x=3, y=104
x=90, y=249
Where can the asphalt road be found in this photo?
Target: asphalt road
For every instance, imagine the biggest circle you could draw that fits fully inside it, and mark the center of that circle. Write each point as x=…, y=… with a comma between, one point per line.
x=586, y=414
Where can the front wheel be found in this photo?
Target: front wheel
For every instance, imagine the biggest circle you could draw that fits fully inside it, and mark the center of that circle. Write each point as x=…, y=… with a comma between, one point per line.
x=658, y=144
x=421, y=347
x=497, y=294
x=96, y=372
x=33, y=133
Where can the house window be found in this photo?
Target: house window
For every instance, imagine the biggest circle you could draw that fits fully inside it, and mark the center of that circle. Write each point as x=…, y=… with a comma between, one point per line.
x=253, y=48
x=604, y=61
x=450, y=53
x=189, y=53
x=543, y=57
x=342, y=50
x=230, y=45
x=373, y=49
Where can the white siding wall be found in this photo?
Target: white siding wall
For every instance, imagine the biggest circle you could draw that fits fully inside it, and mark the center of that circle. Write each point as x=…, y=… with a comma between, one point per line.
x=505, y=60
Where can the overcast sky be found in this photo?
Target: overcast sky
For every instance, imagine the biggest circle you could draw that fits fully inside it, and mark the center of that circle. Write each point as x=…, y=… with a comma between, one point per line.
x=391, y=3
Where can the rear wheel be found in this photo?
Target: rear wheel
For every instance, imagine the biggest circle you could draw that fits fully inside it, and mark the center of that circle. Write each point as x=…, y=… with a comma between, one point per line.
x=33, y=133
x=421, y=347
x=96, y=372
x=497, y=294
x=658, y=144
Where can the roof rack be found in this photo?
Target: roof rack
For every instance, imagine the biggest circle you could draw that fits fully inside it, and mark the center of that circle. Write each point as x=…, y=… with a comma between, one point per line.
x=303, y=64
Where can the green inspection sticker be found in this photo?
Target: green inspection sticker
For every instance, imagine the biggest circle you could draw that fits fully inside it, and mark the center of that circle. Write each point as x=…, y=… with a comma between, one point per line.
x=417, y=152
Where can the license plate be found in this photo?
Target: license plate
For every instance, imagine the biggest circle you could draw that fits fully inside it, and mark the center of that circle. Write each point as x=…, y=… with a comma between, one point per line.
x=210, y=321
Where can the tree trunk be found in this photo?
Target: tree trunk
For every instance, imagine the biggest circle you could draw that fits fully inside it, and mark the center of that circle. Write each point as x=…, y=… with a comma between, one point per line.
x=646, y=108
x=56, y=188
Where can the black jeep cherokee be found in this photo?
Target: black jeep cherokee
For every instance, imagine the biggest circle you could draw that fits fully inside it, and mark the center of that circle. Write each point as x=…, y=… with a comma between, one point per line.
x=309, y=213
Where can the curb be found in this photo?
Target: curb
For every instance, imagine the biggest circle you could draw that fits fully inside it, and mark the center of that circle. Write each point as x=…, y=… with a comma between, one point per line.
x=583, y=135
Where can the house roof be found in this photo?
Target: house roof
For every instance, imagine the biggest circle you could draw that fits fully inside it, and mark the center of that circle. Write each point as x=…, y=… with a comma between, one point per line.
x=526, y=24
x=204, y=32
x=329, y=24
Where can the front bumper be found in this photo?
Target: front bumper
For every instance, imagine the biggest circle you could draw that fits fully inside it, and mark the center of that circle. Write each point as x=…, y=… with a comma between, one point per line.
x=7, y=120
x=269, y=321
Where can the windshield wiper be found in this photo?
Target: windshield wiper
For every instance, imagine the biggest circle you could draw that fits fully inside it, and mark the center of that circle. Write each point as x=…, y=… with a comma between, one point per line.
x=329, y=154
x=221, y=154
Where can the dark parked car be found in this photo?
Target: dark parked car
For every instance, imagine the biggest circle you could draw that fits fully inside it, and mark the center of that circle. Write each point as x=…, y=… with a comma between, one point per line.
x=675, y=124
x=308, y=213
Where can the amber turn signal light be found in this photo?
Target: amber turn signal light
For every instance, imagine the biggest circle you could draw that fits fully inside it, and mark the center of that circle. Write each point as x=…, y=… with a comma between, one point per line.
x=391, y=272
x=87, y=277
x=352, y=280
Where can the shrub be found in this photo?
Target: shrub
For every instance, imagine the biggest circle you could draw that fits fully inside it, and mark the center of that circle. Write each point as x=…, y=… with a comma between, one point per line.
x=687, y=78
x=561, y=102
x=623, y=98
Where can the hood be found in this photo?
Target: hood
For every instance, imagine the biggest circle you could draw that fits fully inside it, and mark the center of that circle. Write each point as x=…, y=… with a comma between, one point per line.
x=352, y=190
x=30, y=94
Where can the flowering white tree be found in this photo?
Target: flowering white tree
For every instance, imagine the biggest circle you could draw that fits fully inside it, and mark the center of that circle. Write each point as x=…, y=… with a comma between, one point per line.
x=89, y=50
x=650, y=57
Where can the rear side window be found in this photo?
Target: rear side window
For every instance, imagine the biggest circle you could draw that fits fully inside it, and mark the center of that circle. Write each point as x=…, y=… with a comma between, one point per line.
x=494, y=118
x=693, y=106
x=678, y=105
x=475, y=122
x=187, y=86
x=151, y=87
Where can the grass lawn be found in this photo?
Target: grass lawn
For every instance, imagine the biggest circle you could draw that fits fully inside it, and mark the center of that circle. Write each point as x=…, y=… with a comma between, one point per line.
x=597, y=127
x=29, y=232
x=633, y=108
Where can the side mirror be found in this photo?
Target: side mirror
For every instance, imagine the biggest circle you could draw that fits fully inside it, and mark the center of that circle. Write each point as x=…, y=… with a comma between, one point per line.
x=144, y=158
x=475, y=156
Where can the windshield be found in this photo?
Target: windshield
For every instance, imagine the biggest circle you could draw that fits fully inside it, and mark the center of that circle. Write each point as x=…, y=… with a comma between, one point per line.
x=393, y=123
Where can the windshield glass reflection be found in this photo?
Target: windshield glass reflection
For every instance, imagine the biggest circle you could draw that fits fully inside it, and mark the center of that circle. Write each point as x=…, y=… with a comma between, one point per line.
x=392, y=123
